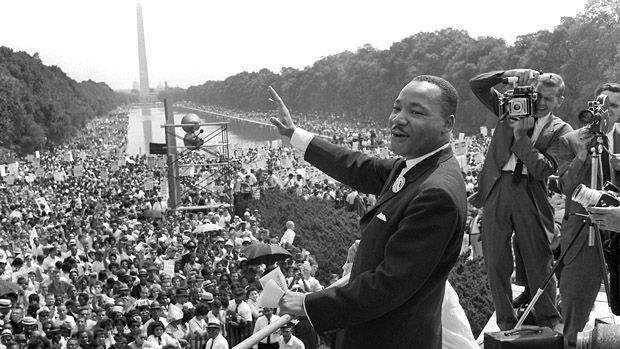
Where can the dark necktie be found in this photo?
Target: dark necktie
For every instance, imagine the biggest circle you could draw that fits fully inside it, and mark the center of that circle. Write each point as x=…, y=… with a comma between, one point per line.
x=605, y=161
x=395, y=175
x=269, y=336
x=212, y=342
x=518, y=172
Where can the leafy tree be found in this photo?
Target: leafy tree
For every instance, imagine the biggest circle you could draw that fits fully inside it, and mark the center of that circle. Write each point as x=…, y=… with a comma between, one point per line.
x=584, y=49
x=41, y=105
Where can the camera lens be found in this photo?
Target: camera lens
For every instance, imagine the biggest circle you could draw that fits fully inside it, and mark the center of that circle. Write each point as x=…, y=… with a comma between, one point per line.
x=517, y=107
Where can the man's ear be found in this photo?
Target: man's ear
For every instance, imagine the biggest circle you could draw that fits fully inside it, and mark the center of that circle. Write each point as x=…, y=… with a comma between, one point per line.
x=449, y=123
x=560, y=101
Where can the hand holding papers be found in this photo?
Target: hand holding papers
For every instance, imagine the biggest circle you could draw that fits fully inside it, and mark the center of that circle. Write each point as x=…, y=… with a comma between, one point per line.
x=274, y=287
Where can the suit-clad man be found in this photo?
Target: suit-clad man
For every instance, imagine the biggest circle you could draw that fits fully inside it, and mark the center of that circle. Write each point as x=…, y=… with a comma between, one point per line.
x=513, y=191
x=581, y=275
x=409, y=240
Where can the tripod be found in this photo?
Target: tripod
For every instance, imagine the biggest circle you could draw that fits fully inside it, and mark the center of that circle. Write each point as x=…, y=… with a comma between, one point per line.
x=594, y=237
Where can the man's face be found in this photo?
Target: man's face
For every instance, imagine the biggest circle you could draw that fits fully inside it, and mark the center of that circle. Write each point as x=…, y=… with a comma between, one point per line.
x=614, y=106
x=213, y=332
x=16, y=315
x=416, y=123
x=548, y=99
x=286, y=334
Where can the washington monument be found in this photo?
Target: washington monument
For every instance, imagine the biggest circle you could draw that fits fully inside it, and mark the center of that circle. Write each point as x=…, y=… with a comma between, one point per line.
x=144, y=71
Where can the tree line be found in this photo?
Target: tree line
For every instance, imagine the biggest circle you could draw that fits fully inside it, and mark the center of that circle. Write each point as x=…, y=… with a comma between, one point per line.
x=583, y=49
x=41, y=106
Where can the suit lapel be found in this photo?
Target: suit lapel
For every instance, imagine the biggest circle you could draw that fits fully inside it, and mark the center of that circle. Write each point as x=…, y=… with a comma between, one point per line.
x=546, y=133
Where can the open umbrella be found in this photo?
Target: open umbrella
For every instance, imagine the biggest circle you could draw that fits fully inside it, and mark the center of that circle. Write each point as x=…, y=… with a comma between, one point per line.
x=7, y=287
x=207, y=227
x=267, y=254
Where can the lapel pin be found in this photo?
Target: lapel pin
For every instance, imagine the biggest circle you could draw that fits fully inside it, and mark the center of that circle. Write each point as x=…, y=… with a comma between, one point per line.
x=398, y=184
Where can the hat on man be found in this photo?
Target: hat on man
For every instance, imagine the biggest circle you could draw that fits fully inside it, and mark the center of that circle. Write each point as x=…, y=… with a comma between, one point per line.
x=28, y=321
x=155, y=305
x=5, y=303
x=220, y=239
x=72, y=242
x=214, y=323
x=181, y=292
x=229, y=243
x=123, y=287
x=207, y=297
x=143, y=272
x=7, y=332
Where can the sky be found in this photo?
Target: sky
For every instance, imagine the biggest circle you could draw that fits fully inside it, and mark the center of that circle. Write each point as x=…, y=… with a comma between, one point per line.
x=191, y=41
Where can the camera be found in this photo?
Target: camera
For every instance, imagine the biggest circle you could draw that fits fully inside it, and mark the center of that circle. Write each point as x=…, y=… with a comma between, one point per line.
x=519, y=102
x=596, y=117
x=587, y=197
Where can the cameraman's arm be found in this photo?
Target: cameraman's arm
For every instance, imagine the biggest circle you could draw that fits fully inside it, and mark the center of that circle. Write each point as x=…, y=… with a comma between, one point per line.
x=482, y=87
x=573, y=167
x=540, y=165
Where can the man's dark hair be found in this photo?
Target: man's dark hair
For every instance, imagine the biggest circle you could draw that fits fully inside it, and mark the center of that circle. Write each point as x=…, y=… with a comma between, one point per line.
x=449, y=95
x=608, y=86
x=39, y=342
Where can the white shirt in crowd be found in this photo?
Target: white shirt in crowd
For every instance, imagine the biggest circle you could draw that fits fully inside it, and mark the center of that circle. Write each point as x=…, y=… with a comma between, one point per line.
x=288, y=236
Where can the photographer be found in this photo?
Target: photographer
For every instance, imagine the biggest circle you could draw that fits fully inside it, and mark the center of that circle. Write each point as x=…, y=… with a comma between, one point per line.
x=512, y=189
x=581, y=276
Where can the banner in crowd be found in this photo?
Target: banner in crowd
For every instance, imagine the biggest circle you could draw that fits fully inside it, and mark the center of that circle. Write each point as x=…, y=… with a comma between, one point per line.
x=459, y=148
x=483, y=131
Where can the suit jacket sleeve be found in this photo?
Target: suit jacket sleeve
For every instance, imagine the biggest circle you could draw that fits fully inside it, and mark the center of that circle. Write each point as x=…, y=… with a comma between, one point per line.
x=412, y=256
x=540, y=165
x=482, y=87
x=357, y=170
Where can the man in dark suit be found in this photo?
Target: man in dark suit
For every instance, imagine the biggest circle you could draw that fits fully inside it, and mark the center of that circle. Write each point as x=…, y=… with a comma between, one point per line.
x=581, y=274
x=512, y=189
x=409, y=240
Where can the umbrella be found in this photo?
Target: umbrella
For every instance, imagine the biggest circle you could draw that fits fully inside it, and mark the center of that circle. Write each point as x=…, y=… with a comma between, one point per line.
x=267, y=254
x=8, y=287
x=207, y=227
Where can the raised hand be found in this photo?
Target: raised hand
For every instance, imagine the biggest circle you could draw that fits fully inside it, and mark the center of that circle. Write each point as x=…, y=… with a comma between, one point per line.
x=283, y=122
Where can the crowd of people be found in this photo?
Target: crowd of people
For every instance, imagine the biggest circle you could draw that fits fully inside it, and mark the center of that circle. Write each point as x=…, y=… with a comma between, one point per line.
x=91, y=258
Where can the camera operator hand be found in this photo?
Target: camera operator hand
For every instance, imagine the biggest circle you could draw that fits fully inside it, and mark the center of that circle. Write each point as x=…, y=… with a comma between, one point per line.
x=520, y=126
x=585, y=142
x=526, y=76
x=607, y=218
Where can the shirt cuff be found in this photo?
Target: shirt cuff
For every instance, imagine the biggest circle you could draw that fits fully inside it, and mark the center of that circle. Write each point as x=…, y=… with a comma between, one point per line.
x=301, y=138
x=305, y=312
